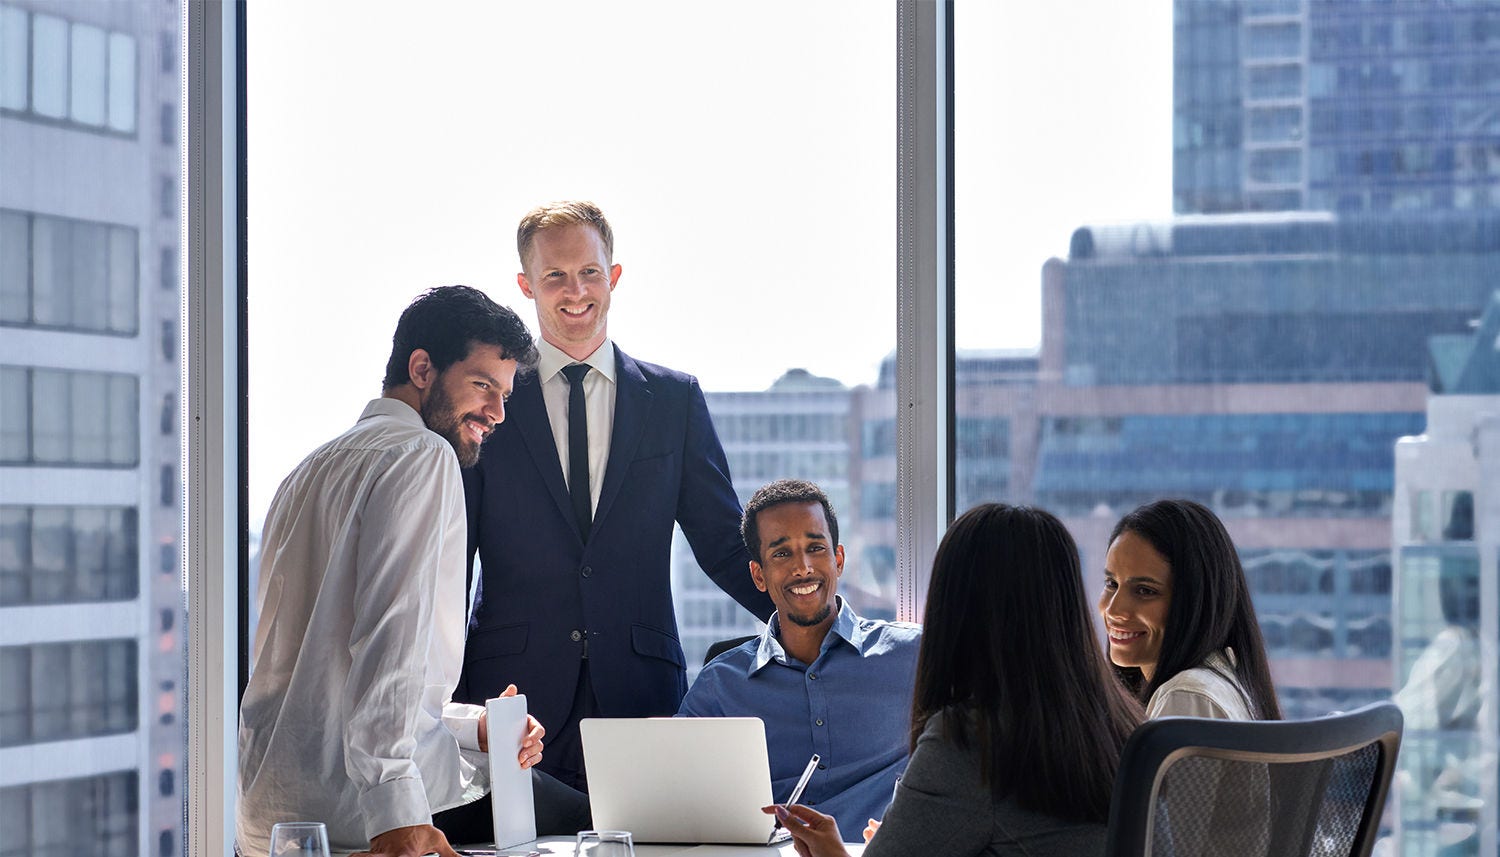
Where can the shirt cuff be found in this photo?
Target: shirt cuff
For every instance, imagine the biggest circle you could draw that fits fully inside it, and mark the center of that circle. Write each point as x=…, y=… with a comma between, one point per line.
x=463, y=721
x=394, y=803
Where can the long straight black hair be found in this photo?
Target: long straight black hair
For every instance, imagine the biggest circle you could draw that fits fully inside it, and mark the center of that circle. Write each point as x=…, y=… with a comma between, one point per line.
x=1210, y=609
x=1010, y=661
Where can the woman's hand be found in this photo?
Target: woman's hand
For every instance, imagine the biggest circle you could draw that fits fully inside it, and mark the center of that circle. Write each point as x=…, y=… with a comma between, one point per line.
x=813, y=833
x=870, y=827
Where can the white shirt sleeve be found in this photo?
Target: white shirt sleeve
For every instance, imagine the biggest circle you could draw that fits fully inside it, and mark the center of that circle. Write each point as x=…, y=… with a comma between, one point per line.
x=399, y=541
x=1182, y=702
x=463, y=721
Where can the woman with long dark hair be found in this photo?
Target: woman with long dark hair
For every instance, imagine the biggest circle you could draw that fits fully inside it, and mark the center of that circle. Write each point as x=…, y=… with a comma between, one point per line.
x=1182, y=631
x=1017, y=722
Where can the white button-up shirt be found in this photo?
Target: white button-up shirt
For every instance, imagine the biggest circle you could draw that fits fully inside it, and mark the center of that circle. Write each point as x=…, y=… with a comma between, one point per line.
x=598, y=401
x=347, y=718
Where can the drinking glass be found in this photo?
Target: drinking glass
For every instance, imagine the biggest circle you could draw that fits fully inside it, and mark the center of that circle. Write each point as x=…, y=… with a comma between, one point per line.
x=299, y=839
x=604, y=843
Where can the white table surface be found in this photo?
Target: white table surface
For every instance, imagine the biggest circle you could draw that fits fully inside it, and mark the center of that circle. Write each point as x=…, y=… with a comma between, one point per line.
x=559, y=846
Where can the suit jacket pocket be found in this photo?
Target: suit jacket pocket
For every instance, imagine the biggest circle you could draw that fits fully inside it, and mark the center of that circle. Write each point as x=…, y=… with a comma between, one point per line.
x=499, y=642
x=652, y=463
x=653, y=643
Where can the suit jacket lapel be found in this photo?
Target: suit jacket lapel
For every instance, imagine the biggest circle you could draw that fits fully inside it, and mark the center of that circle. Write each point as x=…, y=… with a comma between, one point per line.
x=632, y=415
x=528, y=411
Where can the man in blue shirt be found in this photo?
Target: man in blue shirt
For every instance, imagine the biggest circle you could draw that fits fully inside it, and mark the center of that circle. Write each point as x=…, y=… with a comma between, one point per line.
x=821, y=678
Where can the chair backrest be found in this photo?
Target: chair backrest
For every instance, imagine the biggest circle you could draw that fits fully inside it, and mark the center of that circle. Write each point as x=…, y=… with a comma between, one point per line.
x=1191, y=787
x=722, y=646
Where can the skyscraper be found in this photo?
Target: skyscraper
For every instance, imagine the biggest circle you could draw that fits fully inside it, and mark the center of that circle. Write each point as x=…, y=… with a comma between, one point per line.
x=1335, y=105
x=90, y=518
x=1447, y=541
x=1263, y=365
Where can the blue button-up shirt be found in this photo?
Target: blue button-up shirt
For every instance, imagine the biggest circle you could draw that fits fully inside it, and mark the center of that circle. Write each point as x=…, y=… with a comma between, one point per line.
x=851, y=706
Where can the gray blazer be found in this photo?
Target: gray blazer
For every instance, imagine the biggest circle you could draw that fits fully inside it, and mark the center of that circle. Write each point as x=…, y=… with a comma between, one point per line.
x=941, y=807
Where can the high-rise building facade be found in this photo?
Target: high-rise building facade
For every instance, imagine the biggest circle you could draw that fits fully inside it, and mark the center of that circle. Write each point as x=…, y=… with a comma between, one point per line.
x=90, y=517
x=1335, y=105
x=1447, y=603
x=1263, y=365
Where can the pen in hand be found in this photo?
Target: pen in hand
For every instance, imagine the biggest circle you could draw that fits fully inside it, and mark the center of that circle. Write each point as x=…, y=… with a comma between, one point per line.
x=812, y=765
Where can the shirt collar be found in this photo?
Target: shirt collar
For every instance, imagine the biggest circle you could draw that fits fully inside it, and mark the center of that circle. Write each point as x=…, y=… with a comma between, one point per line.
x=552, y=360
x=846, y=627
x=385, y=406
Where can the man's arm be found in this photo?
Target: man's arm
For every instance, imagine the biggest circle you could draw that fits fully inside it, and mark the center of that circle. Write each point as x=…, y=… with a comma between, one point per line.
x=709, y=511
x=402, y=525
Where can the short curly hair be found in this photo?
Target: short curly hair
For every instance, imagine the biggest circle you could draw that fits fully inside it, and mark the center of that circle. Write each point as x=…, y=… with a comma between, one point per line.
x=777, y=493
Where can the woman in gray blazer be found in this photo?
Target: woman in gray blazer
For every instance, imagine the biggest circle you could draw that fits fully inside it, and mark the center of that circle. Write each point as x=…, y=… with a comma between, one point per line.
x=1017, y=722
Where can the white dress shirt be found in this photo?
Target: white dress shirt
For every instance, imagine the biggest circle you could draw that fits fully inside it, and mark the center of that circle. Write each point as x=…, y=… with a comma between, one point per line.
x=1211, y=690
x=598, y=400
x=347, y=719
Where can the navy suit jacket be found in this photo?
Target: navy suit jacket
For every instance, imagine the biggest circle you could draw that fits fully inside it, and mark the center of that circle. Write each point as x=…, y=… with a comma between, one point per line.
x=544, y=594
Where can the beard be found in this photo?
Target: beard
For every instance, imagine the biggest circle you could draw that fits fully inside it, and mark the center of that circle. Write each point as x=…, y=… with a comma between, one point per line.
x=813, y=620
x=442, y=417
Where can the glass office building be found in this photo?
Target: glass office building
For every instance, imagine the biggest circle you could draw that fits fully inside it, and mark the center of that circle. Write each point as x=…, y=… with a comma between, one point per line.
x=1263, y=365
x=1447, y=541
x=91, y=664
x=1335, y=105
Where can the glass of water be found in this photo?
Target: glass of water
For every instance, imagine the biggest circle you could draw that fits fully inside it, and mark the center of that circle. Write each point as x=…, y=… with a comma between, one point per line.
x=604, y=843
x=299, y=839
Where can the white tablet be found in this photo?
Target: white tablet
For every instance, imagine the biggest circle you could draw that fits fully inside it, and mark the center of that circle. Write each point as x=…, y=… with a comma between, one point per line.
x=510, y=784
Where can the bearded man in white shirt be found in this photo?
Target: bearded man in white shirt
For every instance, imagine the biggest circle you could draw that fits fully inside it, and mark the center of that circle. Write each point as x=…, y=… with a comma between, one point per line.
x=348, y=717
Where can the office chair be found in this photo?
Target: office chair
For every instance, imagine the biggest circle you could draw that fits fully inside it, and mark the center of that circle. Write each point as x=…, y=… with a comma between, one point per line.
x=1190, y=787
x=722, y=646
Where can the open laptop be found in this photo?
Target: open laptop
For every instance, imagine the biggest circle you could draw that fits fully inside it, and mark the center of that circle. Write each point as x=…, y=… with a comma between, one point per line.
x=680, y=779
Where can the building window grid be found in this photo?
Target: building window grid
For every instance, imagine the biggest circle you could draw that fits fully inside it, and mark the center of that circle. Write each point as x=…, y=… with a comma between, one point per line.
x=68, y=554
x=60, y=96
x=72, y=690
x=46, y=280
x=96, y=815
x=38, y=424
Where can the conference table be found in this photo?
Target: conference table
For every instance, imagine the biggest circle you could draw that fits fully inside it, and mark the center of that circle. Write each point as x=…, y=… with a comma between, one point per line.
x=562, y=846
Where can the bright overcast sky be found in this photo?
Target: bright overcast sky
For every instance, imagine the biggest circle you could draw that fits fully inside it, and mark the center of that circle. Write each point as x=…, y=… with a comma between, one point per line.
x=743, y=151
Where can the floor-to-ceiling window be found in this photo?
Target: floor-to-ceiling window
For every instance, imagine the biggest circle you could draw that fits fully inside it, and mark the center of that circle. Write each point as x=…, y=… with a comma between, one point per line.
x=743, y=154
x=1233, y=252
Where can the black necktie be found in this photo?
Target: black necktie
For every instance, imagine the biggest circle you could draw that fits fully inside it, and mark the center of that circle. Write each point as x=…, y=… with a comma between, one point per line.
x=578, y=449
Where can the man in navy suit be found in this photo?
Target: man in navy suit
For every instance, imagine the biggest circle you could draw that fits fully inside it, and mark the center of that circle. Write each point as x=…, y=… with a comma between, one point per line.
x=572, y=518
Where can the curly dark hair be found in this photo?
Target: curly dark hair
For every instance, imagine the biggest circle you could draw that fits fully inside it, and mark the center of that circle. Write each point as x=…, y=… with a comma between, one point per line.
x=446, y=322
x=775, y=494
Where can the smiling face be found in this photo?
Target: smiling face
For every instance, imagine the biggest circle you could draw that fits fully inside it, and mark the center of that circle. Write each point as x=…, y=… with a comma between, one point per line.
x=799, y=564
x=569, y=276
x=1137, y=594
x=466, y=401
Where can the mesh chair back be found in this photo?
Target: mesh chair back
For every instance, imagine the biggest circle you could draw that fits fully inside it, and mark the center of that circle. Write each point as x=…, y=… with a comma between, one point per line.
x=1189, y=787
x=720, y=647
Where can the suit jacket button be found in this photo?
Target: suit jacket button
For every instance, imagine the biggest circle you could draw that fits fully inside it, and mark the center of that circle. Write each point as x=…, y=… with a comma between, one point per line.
x=586, y=571
x=576, y=636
